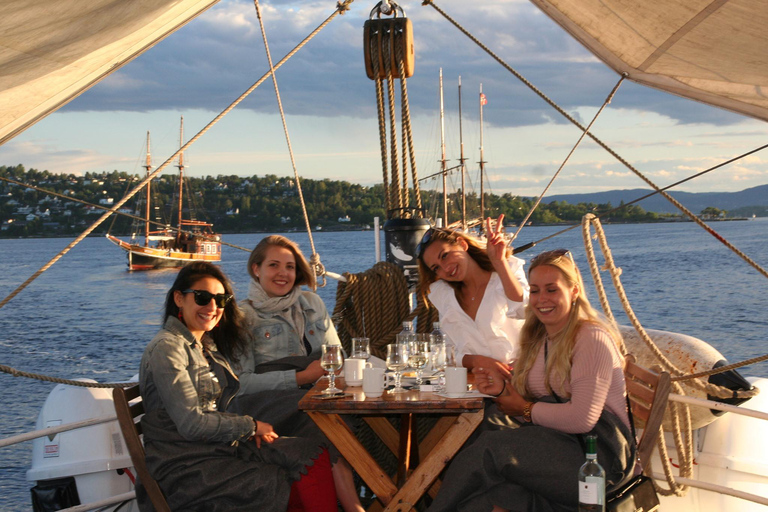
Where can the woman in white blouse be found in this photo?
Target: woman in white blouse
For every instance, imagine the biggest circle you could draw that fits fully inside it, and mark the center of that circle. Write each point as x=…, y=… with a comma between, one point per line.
x=480, y=291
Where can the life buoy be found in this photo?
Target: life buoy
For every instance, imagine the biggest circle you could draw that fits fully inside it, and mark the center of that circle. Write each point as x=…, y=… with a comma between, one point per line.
x=689, y=355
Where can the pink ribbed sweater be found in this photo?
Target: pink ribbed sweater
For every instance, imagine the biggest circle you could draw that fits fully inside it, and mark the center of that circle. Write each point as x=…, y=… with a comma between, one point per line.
x=597, y=380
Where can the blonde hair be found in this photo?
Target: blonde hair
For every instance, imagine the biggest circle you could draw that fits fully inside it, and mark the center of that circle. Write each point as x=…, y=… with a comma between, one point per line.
x=475, y=248
x=304, y=274
x=533, y=334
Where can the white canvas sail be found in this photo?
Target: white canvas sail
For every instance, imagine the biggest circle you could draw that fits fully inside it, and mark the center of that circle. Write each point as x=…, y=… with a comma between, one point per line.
x=711, y=51
x=51, y=51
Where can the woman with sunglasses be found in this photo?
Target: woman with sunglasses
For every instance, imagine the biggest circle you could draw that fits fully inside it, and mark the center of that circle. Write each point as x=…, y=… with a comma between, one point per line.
x=202, y=457
x=568, y=381
x=480, y=291
x=288, y=327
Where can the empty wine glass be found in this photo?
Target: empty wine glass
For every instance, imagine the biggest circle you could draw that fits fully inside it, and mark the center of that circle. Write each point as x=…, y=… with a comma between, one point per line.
x=397, y=361
x=438, y=353
x=361, y=348
x=418, y=355
x=331, y=361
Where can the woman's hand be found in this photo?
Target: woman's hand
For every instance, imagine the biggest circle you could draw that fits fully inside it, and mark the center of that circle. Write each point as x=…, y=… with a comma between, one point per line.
x=473, y=361
x=496, y=247
x=511, y=402
x=488, y=381
x=264, y=432
x=310, y=374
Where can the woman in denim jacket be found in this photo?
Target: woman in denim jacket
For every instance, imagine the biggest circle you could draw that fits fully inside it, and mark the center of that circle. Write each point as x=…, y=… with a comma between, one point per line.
x=202, y=457
x=288, y=326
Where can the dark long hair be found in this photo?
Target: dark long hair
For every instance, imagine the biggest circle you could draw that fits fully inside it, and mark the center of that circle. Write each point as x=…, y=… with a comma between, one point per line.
x=229, y=334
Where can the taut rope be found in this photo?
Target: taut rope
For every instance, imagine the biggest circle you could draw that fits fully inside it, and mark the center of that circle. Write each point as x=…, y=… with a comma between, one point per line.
x=340, y=7
x=602, y=144
x=47, y=378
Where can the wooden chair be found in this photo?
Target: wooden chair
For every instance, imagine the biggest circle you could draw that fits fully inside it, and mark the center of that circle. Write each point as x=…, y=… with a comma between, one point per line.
x=128, y=416
x=647, y=392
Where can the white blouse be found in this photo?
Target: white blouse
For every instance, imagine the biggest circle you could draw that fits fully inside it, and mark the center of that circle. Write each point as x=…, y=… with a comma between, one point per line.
x=495, y=331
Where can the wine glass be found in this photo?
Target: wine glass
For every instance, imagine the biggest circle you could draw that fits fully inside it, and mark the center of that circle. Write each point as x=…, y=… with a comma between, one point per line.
x=361, y=348
x=331, y=361
x=397, y=361
x=418, y=355
x=438, y=353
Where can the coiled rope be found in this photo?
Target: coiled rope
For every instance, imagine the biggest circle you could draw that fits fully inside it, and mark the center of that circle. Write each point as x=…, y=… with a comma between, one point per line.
x=679, y=413
x=600, y=143
x=374, y=304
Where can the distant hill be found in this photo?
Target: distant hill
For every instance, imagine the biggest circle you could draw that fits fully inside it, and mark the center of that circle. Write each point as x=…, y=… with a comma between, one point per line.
x=695, y=201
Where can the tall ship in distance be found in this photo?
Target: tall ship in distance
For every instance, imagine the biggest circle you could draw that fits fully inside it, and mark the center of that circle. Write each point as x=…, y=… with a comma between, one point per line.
x=192, y=240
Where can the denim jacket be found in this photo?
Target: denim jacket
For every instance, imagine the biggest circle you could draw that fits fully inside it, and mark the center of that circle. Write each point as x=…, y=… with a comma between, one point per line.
x=175, y=378
x=274, y=337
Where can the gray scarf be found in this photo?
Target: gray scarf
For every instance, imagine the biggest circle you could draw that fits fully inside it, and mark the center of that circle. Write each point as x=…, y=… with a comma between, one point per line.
x=286, y=306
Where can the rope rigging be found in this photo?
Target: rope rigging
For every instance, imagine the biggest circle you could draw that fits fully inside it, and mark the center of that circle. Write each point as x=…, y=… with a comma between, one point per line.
x=340, y=7
x=388, y=51
x=600, y=143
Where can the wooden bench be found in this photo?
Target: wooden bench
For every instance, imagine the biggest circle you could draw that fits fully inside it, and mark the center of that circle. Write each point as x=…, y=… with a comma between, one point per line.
x=128, y=417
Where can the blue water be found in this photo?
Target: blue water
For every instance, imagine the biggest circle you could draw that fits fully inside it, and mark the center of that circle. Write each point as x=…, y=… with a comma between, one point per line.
x=88, y=317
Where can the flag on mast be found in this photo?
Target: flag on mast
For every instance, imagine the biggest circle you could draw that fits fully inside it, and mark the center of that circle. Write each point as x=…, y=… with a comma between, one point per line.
x=483, y=100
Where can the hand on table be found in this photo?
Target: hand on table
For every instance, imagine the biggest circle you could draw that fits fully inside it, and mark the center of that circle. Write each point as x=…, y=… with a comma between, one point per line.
x=473, y=361
x=488, y=380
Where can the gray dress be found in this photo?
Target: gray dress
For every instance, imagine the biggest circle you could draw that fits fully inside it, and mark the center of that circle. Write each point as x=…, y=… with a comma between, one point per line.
x=199, y=454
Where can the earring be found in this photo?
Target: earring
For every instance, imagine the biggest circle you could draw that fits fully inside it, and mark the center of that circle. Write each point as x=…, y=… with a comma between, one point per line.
x=573, y=303
x=181, y=317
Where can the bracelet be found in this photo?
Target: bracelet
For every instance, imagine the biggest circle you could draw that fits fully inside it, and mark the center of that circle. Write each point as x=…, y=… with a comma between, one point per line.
x=503, y=387
x=527, y=412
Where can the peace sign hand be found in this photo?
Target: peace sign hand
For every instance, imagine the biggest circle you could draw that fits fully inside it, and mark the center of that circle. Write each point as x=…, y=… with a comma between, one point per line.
x=496, y=247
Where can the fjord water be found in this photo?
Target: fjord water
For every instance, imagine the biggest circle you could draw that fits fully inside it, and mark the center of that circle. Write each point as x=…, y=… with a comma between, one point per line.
x=88, y=317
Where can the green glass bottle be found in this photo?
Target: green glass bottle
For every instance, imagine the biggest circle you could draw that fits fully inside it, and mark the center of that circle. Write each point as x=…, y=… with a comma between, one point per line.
x=591, y=480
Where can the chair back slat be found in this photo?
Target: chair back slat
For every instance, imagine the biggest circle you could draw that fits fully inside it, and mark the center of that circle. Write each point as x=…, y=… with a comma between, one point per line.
x=648, y=393
x=128, y=417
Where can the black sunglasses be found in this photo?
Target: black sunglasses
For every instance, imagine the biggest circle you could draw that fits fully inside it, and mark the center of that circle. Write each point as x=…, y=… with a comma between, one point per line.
x=424, y=242
x=203, y=298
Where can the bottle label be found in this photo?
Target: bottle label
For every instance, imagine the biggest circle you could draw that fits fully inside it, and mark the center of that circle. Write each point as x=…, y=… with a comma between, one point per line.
x=592, y=491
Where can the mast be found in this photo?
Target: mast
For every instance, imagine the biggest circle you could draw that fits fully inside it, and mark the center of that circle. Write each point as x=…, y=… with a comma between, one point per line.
x=482, y=162
x=461, y=162
x=180, y=165
x=442, y=149
x=148, y=167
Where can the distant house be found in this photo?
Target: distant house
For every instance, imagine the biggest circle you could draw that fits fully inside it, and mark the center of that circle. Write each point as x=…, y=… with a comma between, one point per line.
x=106, y=201
x=31, y=217
x=285, y=220
x=233, y=211
x=345, y=219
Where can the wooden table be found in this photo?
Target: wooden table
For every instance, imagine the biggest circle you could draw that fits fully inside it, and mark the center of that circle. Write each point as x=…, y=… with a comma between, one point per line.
x=418, y=464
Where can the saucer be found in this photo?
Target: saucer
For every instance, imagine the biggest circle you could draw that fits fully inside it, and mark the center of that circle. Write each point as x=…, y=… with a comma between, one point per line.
x=355, y=383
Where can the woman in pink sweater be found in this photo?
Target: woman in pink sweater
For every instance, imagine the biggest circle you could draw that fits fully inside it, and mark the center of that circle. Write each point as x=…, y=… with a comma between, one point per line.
x=568, y=381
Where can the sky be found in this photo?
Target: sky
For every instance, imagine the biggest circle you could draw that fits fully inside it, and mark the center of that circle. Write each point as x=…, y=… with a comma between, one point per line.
x=330, y=106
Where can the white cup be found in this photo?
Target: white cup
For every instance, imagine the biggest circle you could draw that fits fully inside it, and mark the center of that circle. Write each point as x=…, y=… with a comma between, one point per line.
x=455, y=381
x=374, y=381
x=353, y=371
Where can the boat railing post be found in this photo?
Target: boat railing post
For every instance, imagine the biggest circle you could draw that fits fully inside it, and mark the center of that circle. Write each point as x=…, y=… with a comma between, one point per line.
x=377, y=238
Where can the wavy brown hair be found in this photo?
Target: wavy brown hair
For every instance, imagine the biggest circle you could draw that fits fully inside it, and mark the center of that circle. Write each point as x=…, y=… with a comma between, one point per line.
x=475, y=248
x=304, y=274
x=229, y=334
x=533, y=334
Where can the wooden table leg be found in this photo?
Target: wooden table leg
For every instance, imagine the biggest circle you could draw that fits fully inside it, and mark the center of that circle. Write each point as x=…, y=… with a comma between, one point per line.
x=404, y=452
x=358, y=457
x=435, y=462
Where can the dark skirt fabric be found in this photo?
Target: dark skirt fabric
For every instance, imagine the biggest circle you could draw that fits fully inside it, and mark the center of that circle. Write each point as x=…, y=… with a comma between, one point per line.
x=199, y=476
x=531, y=468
